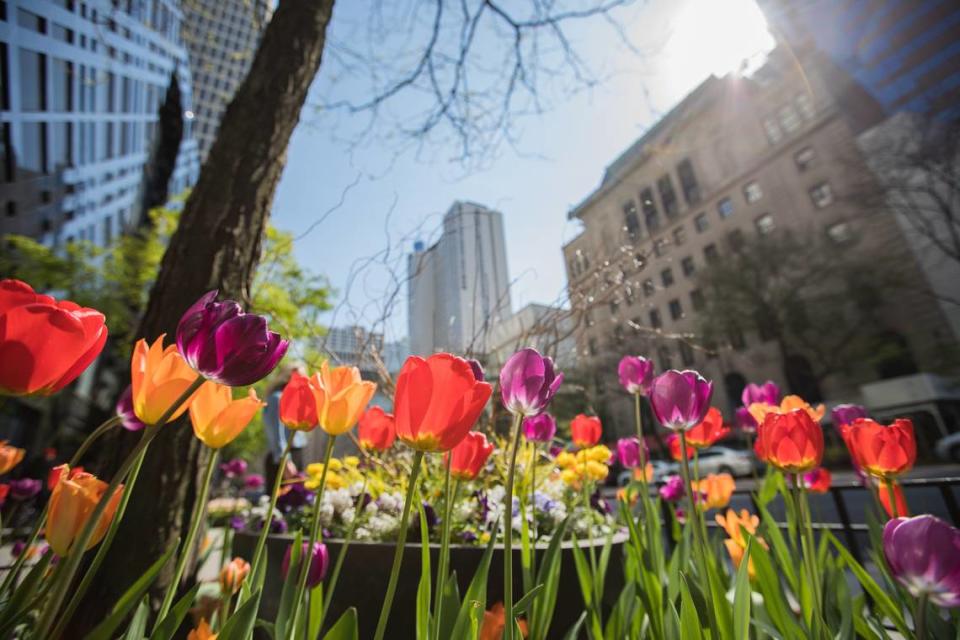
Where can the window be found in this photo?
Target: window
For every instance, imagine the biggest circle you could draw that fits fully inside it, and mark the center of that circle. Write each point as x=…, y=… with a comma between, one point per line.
x=650, y=214
x=33, y=152
x=725, y=208
x=821, y=195
x=772, y=130
x=735, y=239
x=61, y=33
x=840, y=233
x=676, y=311
x=688, y=267
x=686, y=355
x=668, y=197
x=710, y=253
x=666, y=276
x=679, y=236
x=631, y=221
x=688, y=182
x=62, y=143
x=660, y=247
x=789, y=120
x=804, y=158
x=752, y=192
x=805, y=106
x=30, y=21
x=33, y=80
x=655, y=321
x=107, y=230
x=765, y=224
x=62, y=96
x=696, y=300
x=648, y=288
x=701, y=223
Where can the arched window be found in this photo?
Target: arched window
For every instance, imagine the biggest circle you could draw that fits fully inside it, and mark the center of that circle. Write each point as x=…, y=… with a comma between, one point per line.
x=801, y=380
x=734, y=382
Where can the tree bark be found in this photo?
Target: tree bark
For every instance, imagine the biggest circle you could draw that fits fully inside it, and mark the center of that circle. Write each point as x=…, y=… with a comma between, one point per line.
x=216, y=246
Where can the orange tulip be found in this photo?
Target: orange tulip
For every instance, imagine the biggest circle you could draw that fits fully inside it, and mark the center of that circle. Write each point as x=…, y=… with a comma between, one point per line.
x=585, y=431
x=72, y=502
x=759, y=411
x=468, y=457
x=673, y=444
x=376, y=430
x=158, y=378
x=217, y=418
x=792, y=442
x=714, y=490
x=298, y=405
x=818, y=480
x=494, y=622
x=9, y=457
x=202, y=632
x=233, y=575
x=883, y=452
x=736, y=544
x=437, y=402
x=708, y=432
x=341, y=397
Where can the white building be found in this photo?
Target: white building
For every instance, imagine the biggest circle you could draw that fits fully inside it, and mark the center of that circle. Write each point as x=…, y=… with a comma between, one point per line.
x=548, y=329
x=80, y=91
x=221, y=37
x=459, y=288
x=353, y=346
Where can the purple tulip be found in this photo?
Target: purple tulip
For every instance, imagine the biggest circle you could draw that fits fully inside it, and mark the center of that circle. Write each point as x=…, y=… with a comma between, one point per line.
x=924, y=556
x=680, y=399
x=528, y=382
x=124, y=409
x=628, y=452
x=766, y=393
x=672, y=490
x=234, y=468
x=253, y=482
x=226, y=345
x=477, y=369
x=237, y=523
x=319, y=560
x=540, y=428
x=636, y=374
x=18, y=548
x=846, y=413
x=25, y=488
x=745, y=420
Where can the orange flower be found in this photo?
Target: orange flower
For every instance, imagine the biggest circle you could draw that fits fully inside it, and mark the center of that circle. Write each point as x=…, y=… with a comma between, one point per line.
x=54, y=476
x=759, y=411
x=72, y=502
x=233, y=575
x=883, y=492
x=217, y=418
x=585, y=431
x=818, y=480
x=468, y=457
x=736, y=544
x=437, y=402
x=376, y=430
x=792, y=442
x=708, y=432
x=202, y=632
x=298, y=405
x=884, y=452
x=341, y=397
x=9, y=457
x=494, y=622
x=715, y=490
x=673, y=444
x=639, y=476
x=158, y=378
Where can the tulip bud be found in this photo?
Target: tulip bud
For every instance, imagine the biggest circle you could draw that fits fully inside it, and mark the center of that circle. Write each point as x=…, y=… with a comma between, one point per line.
x=319, y=560
x=540, y=428
x=233, y=575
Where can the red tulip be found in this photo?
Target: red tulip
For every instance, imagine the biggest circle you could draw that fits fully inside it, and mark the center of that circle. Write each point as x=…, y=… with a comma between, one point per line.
x=376, y=429
x=884, y=452
x=585, y=431
x=437, y=401
x=673, y=443
x=792, y=442
x=709, y=431
x=298, y=406
x=818, y=480
x=44, y=344
x=467, y=458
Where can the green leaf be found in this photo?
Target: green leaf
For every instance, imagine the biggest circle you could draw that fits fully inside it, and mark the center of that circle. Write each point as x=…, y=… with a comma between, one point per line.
x=476, y=594
x=622, y=613
x=19, y=603
x=880, y=597
x=742, y=596
x=449, y=606
x=424, y=588
x=773, y=535
x=315, y=612
x=524, y=603
x=574, y=631
x=171, y=622
x=138, y=624
x=132, y=596
x=289, y=589
x=345, y=628
x=689, y=621
x=239, y=626
x=769, y=586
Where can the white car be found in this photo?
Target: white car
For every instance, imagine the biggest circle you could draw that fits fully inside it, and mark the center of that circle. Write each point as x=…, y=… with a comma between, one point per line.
x=661, y=470
x=736, y=462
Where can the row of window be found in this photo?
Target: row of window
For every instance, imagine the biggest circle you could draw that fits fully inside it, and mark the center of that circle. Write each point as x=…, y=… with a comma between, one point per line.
x=669, y=201
x=789, y=118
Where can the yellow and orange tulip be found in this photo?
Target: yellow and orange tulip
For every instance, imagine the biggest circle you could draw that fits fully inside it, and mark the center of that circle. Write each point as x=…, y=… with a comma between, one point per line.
x=760, y=410
x=9, y=457
x=715, y=490
x=158, y=376
x=217, y=418
x=72, y=502
x=342, y=396
x=233, y=575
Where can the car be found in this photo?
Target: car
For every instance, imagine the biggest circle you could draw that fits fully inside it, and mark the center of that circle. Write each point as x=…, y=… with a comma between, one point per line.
x=948, y=448
x=661, y=469
x=736, y=462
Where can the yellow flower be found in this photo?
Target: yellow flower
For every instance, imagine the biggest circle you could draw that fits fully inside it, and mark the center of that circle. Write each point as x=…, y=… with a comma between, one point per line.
x=570, y=476
x=598, y=453
x=565, y=459
x=760, y=410
x=217, y=418
x=597, y=471
x=351, y=461
x=733, y=522
x=715, y=490
x=341, y=396
x=158, y=377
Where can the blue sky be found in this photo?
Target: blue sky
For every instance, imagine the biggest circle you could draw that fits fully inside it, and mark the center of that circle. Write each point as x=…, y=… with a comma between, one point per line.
x=392, y=193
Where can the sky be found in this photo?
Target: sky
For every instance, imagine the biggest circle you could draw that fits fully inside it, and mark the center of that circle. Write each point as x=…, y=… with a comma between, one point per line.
x=347, y=194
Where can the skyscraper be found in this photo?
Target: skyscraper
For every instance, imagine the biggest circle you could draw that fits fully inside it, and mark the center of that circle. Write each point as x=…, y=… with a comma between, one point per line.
x=81, y=87
x=458, y=288
x=221, y=37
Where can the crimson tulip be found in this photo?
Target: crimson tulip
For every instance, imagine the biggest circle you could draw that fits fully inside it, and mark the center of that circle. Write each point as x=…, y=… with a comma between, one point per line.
x=468, y=457
x=585, y=431
x=792, y=442
x=882, y=451
x=710, y=430
x=376, y=430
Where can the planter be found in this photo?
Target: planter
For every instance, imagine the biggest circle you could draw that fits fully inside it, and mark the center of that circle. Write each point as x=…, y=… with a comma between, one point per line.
x=363, y=580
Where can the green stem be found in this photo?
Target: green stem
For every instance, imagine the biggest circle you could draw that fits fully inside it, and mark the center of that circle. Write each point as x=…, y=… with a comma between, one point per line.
x=892, y=496
x=306, y=559
x=199, y=508
x=920, y=617
x=444, y=549
x=14, y=572
x=335, y=575
x=98, y=559
x=398, y=551
x=809, y=551
x=533, y=510
x=268, y=522
x=508, y=534
x=694, y=520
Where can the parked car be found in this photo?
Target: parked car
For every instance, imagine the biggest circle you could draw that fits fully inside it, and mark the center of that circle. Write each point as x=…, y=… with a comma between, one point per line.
x=661, y=469
x=948, y=448
x=736, y=462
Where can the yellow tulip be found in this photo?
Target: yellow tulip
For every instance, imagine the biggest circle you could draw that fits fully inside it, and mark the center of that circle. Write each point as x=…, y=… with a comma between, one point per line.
x=217, y=418
x=341, y=397
x=159, y=377
x=72, y=502
x=733, y=522
x=9, y=457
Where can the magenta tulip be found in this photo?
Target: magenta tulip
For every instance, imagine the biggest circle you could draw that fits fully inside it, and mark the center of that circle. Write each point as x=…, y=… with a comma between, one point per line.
x=224, y=344
x=636, y=374
x=528, y=382
x=745, y=420
x=846, y=413
x=924, y=556
x=540, y=428
x=124, y=409
x=234, y=468
x=628, y=452
x=766, y=393
x=319, y=560
x=672, y=490
x=680, y=399
x=25, y=488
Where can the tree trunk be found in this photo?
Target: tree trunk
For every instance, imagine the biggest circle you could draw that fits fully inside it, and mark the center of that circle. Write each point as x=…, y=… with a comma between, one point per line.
x=216, y=246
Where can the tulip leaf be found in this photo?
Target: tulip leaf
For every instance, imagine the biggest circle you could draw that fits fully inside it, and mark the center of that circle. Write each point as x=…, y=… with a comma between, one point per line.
x=240, y=625
x=17, y=606
x=289, y=590
x=345, y=628
x=138, y=624
x=776, y=607
x=475, y=596
x=742, y=596
x=524, y=603
x=315, y=611
x=171, y=622
x=689, y=621
x=622, y=613
x=449, y=606
x=772, y=533
x=105, y=630
x=880, y=597
x=574, y=632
